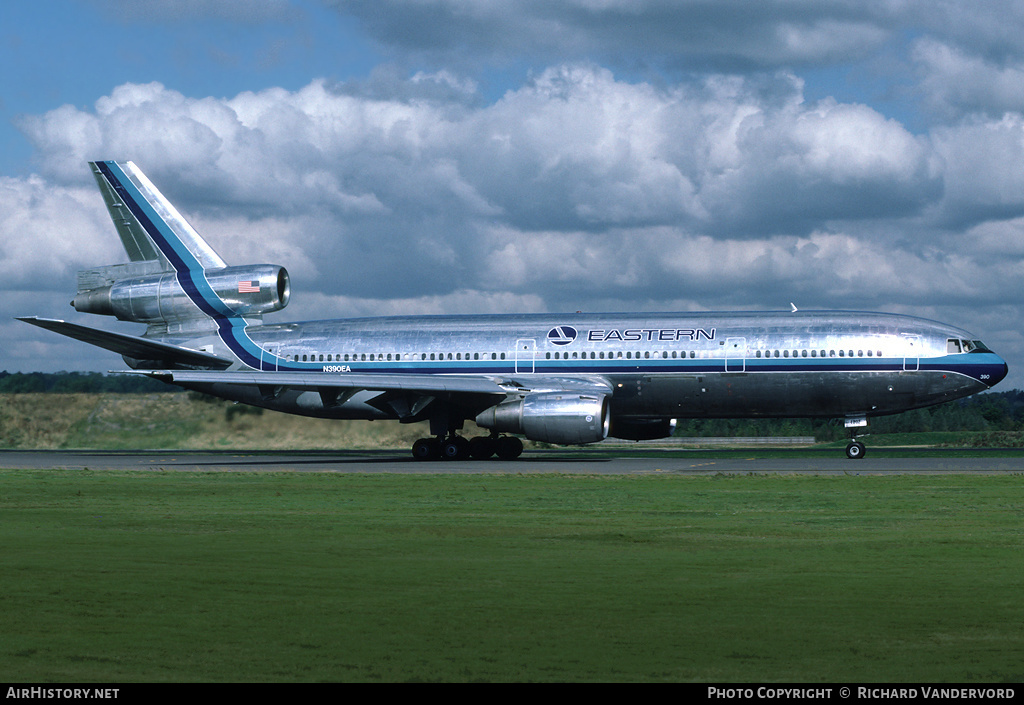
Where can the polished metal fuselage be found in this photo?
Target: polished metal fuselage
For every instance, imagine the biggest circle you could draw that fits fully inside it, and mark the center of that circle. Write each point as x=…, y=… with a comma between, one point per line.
x=733, y=364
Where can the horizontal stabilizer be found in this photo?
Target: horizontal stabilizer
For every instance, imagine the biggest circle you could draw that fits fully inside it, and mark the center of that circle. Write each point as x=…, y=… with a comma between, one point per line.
x=131, y=346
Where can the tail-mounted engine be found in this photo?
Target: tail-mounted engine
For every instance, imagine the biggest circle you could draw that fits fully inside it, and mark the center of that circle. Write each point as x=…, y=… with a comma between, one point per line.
x=552, y=417
x=133, y=292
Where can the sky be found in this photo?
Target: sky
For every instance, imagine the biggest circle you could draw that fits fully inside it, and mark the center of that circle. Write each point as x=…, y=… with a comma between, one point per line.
x=477, y=156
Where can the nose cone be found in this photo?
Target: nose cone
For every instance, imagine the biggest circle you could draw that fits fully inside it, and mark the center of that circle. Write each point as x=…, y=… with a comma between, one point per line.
x=1001, y=369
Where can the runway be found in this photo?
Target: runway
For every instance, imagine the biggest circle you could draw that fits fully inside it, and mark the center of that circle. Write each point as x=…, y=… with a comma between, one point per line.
x=619, y=462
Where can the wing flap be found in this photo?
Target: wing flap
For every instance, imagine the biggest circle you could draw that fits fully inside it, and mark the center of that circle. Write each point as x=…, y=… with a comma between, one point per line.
x=432, y=384
x=321, y=380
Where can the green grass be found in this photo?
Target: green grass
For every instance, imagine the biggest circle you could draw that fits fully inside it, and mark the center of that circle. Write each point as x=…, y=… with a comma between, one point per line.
x=303, y=577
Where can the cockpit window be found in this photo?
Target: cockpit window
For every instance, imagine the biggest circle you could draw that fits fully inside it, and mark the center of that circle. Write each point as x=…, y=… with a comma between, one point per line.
x=975, y=346
x=952, y=345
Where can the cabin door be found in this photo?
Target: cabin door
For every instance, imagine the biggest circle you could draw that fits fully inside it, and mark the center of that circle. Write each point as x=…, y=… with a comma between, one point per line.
x=525, y=354
x=735, y=354
x=912, y=356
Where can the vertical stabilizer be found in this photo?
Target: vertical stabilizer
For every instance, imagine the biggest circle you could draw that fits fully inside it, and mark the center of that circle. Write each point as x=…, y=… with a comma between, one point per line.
x=150, y=227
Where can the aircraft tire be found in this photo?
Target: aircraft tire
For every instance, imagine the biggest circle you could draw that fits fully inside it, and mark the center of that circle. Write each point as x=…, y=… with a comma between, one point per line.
x=855, y=451
x=482, y=447
x=509, y=448
x=455, y=448
x=426, y=449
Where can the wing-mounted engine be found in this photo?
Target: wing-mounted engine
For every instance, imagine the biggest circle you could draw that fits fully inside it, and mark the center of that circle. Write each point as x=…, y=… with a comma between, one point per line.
x=133, y=292
x=552, y=417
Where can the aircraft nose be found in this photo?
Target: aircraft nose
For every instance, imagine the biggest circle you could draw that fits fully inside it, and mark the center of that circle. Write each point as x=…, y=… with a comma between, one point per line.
x=1005, y=371
x=999, y=370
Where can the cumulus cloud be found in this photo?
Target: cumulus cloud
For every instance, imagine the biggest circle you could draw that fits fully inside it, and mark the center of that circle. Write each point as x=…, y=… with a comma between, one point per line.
x=726, y=34
x=955, y=83
x=386, y=180
x=50, y=232
x=983, y=179
x=577, y=190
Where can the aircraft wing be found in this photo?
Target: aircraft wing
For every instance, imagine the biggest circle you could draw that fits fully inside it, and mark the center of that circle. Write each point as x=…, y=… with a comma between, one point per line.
x=417, y=383
x=130, y=345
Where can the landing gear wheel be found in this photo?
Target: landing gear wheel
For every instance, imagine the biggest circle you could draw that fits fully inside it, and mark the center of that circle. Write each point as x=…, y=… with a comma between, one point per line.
x=482, y=447
x=426, y=449
x=855, y=451
x=509, y=448
x=455, y=448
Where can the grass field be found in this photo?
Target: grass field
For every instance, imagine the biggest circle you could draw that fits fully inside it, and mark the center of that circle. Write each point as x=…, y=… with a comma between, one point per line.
x=125, y=577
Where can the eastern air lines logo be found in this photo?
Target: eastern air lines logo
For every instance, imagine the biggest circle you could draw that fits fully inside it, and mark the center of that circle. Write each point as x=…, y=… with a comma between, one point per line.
x=562, y=335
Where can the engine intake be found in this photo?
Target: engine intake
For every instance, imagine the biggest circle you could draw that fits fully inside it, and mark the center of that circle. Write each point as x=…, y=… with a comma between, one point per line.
x=248, y=291
x=551, y=417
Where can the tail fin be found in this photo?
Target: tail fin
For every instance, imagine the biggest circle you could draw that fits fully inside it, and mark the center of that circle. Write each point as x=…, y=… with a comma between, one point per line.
x=174, y=280
x=150, y=227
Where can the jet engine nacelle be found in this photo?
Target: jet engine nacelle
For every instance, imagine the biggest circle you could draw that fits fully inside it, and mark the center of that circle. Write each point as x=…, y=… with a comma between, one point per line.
x=248, y=291
x=551, y=417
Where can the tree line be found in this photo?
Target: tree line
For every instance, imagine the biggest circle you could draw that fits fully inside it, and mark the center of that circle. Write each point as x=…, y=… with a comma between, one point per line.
x=78, y=383
x=990, y=412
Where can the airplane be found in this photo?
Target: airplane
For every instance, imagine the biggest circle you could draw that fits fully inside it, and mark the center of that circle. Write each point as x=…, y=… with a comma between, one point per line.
x=563, y=379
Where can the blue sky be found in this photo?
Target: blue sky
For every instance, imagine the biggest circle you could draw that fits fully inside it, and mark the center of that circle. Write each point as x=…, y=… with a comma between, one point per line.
x=74, y=51
x=464, y=156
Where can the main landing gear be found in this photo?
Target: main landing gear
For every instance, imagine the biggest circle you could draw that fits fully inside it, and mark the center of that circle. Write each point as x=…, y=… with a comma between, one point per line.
x=458, y=448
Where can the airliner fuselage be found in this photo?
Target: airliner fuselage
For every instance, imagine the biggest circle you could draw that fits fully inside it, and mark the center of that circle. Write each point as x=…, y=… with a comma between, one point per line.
x=771, y=364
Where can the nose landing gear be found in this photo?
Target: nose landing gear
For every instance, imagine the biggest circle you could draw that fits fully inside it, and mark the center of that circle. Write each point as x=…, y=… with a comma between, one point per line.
x=855, y=449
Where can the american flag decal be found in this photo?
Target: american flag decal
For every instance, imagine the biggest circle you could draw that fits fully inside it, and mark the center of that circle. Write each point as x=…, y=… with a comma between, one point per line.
x=250, y=287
